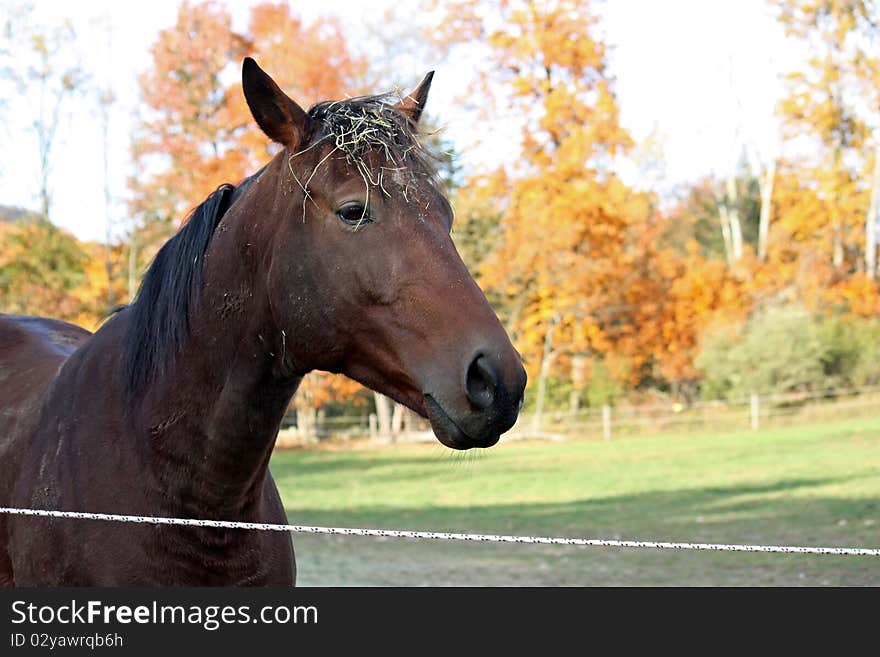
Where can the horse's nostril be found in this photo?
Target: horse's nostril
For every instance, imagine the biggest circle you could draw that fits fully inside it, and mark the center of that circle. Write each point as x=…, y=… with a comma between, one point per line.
x=481, y=383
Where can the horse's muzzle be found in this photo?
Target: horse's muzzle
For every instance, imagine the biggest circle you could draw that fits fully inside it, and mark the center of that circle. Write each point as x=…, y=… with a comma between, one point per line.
x=449, y=433
x=493, y=397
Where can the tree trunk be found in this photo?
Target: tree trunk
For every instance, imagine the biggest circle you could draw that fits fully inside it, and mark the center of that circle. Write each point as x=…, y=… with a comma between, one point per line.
x=736, y=235
x=108, y=267
x=546, y=363
x=44, y=196
x=132, y=265
x=104, y=104
x=321, y=423
x=383, y=415
x=837, y=253
x=410, y=420
x=578, y=367
x=724, y=219
x=871, y=220
x=767, y=182
x=397, y=419
x=836, y=227
x=306, y=423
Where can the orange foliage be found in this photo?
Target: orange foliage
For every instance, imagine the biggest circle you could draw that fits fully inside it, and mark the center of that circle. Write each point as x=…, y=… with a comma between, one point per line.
x=824, y=109
x=568, y=225
x=582, y=268
x=186, y=144
x=857, y=295
x=321, y=388
x=199, y=132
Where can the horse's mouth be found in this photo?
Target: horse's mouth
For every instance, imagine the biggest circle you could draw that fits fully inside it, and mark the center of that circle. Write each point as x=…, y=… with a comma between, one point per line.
x=449, y=433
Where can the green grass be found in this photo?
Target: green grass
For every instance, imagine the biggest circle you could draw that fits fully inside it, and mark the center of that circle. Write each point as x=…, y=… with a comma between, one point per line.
x=817, y=485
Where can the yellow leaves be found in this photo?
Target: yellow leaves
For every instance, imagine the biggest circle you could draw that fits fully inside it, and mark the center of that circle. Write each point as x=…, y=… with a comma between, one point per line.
x=858, y=295
x=46, y=271
x=579, y=257
x=814, y=206
x=832, y=100
x=318, y=389
x=577, y=264
x=199, y=132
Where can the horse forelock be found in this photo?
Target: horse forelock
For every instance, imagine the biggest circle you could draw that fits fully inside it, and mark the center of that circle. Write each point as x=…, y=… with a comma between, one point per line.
x=376, y=138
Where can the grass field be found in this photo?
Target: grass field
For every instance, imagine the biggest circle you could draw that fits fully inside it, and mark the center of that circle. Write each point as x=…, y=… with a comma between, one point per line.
x=817, y=485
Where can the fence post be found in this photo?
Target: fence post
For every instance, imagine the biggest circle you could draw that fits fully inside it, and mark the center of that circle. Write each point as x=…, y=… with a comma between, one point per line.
x=606, y=422
x=755, y=411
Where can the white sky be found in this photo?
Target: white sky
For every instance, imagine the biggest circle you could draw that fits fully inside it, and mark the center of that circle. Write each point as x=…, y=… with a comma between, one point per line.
x=688, y=72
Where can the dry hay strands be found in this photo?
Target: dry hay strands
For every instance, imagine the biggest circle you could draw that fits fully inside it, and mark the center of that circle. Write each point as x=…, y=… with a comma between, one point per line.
x=370, y=124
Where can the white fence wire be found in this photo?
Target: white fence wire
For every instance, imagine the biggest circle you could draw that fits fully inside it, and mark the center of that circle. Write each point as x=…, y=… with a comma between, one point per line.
x=753, y=412
x=445, y=536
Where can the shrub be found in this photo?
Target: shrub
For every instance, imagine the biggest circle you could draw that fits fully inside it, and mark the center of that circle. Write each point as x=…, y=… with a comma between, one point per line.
x=852, y=351
x=778, y=350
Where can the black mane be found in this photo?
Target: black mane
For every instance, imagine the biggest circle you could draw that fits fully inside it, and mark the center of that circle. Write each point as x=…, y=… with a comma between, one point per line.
x=159, y=316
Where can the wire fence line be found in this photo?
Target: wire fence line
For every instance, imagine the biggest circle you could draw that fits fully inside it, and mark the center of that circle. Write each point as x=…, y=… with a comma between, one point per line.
x=444, y=536
x=753, y=412
x=717, y=414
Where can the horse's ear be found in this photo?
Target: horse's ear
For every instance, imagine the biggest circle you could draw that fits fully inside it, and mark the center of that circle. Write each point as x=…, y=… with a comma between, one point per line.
x=277, y=115
x=414, y=104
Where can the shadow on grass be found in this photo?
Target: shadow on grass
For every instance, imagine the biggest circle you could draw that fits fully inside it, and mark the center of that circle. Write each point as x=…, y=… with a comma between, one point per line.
x=781, y=513
x=741, y=506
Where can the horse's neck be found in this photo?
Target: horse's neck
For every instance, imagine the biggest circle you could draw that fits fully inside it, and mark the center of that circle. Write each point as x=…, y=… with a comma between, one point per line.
x=226, y=393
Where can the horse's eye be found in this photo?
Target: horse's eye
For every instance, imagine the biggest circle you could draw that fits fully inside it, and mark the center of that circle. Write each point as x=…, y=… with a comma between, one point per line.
x=354, y=214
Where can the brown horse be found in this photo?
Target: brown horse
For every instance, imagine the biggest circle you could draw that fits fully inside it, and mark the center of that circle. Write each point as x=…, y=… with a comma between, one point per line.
x=335, y=256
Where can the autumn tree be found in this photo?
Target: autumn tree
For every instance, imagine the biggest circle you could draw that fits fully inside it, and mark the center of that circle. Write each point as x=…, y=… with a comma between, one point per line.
x=310, y=61
x=833, y=102
x=694, y=215
x=39, y=266
x=566, y=217
x=197, y=131
x=674, y=299
x=45, y=77
x=184, y=144
x=317, y=391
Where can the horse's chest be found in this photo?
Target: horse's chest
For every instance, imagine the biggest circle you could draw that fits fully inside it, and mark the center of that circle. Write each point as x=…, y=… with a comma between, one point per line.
x=220, y=557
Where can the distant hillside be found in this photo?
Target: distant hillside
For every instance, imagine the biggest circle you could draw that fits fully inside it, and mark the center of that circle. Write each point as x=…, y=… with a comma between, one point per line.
x=11, y=213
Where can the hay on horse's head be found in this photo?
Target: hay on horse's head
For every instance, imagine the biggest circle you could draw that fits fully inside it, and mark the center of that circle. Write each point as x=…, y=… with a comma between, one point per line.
x=361, y=126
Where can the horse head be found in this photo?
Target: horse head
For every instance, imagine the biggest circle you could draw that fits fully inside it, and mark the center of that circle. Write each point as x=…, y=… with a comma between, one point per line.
x=362, y=273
